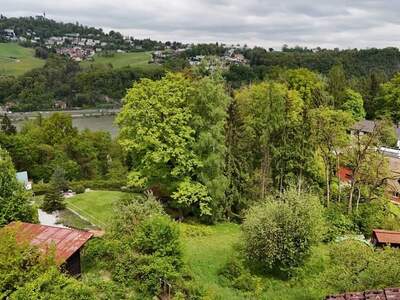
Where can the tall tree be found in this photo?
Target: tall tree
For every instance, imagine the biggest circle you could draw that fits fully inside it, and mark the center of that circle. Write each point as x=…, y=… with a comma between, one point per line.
x=173, y=130
x=337, y=84
x=329, y=129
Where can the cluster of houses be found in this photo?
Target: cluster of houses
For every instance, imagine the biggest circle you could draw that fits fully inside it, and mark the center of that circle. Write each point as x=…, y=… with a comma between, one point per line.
x=232, y=56
x=392, y=155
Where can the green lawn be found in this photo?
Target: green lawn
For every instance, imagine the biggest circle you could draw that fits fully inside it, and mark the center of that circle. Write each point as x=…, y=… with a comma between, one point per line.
x=119, y=60
x=95, y=206
x=16, y=60
x=206, y=254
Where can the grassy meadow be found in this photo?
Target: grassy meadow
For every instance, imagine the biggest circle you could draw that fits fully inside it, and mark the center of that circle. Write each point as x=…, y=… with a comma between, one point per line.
x=120, y=60
x=15, y=60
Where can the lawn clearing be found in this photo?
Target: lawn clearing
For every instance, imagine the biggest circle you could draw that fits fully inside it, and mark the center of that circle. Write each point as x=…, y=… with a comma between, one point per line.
x=16, y=60
x=206, y=254
x=119, y=60
x=95, y=206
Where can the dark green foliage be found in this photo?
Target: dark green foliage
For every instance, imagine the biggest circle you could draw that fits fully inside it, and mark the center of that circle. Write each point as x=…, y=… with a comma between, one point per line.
x=236, y=274
x=77, y=188
x=7, y=127
x=53, y=200
x=58, y=179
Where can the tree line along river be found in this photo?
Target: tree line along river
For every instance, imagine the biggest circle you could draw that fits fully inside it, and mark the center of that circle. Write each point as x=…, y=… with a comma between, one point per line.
x=92, y=119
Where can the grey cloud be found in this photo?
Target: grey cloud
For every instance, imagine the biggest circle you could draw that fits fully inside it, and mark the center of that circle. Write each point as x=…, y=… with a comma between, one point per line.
x=342, y=23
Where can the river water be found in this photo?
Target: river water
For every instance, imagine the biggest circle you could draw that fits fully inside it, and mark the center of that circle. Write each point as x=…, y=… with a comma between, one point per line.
x=103, y=123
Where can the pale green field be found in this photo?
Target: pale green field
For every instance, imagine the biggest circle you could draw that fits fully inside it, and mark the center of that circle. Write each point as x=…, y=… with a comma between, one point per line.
x=119, y=60
x=16, y=60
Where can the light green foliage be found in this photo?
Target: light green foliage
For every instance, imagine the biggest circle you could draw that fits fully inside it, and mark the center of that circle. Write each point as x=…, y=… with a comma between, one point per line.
x=388, y=99
x=355, y=266
x=354, y=104
x=174, y=131
x=20, y=263
x=190, y=193
x=308, y=84
x=278, y=233
x=329, y=129
x=14, y=201
x=53, y=285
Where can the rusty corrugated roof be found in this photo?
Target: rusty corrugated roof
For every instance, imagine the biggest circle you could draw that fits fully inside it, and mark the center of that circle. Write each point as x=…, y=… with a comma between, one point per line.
x=65, y=240
x=386, y=294
x=386, y=236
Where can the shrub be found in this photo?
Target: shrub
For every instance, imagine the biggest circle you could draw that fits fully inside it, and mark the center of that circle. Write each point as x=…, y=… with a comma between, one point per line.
x=235, y=274
x=110, y=185
x=77, y=188
x=278, y=233
x=131, y=211
x=153, y=260
x=40, y=188
x=339, y=223
x=53, y=285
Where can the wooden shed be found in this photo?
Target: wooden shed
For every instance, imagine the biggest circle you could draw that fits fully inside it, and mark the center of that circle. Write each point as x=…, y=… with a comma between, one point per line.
x=67, y=243
x=385, y=237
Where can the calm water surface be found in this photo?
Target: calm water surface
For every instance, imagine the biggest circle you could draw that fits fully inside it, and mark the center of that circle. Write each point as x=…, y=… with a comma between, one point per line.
x=103, y=123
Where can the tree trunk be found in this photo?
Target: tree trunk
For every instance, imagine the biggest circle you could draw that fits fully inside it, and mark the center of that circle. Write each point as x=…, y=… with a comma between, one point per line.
x=350, y=206
x=328, y=188
x=338, y=178
x=358, y=199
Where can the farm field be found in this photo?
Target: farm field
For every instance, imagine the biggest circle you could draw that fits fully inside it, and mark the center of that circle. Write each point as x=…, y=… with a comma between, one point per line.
x=16, y=60
x=119, y=60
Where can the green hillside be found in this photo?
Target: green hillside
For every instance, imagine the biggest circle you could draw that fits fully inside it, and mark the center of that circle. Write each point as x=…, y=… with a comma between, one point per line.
x=119, y=60
x=16, y=60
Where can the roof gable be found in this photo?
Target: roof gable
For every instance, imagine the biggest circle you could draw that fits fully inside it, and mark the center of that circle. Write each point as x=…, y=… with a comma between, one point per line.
x=386, y=236
x=65, y=240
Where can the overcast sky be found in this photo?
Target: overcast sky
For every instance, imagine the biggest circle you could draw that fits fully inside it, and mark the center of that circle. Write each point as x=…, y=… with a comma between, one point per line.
x=335, y=23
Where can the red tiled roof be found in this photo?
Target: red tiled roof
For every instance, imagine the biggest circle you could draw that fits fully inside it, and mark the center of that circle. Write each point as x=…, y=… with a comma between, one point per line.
x=386, y=294
x=386, y=236
x=66, y=241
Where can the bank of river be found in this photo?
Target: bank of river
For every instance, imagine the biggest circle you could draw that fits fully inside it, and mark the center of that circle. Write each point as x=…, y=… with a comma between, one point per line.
x=94, y=123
